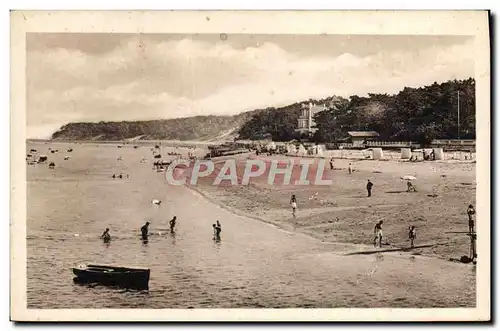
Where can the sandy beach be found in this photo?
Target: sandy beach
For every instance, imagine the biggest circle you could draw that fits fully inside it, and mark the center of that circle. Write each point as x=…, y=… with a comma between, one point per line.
x=343, y=213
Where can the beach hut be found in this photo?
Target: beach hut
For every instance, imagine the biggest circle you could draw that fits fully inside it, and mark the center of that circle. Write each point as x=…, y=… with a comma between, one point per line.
x=291, y=149
x=405, y=153
x=271, y=146
x=320, y=150
x=301, y=151
x=378, y=154
x=438, y=153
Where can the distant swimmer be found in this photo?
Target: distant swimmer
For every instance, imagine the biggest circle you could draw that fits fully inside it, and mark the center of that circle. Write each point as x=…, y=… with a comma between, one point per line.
x=378, y=234
x=156, y=202
x=114, y=176
x=121, y=176
x=105, y=235
x=471, y=212
x=412, y=235
x=172, y=223
x=144, y=231
x=293, y=202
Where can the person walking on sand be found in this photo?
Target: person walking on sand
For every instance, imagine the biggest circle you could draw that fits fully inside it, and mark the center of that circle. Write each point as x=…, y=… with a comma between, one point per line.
x=471, y=212
x=412, y=235
x=331, y=163
x=410, y=188
x=350, y=168
x=293, y=202
x=172, y=224
x=378, y=234
x=369, y=186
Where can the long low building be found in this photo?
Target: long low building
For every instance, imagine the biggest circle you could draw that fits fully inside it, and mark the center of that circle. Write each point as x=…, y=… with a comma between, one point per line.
x=454, y=144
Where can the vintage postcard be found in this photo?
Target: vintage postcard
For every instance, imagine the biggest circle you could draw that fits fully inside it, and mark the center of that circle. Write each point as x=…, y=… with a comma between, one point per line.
x=250, y=166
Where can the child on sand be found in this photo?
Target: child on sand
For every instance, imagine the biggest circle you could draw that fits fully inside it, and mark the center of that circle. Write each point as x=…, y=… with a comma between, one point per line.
x=412, y=235
x=293, y=202
x=471, y=212
x=378, y=234
x=411, y=188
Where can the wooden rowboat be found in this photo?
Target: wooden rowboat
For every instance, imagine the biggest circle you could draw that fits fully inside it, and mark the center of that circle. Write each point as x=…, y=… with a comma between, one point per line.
x=135, y=278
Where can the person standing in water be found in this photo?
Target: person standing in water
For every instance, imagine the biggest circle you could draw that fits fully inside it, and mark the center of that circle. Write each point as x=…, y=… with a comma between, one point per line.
x=350, y=168
x=378, y=234
x=293, y=202
x=144, y=231
x=369, y=186
x=105, y=235
x=471, y=212
x=172, y=224
x=217, y=231
x=412, y=235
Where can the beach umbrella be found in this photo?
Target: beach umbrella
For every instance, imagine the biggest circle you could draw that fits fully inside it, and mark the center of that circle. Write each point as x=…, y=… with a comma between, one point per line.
x=408, y=177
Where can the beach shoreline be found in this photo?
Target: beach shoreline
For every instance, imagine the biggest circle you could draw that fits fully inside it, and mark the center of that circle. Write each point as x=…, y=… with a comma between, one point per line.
x=340, y=214
x=449, y=188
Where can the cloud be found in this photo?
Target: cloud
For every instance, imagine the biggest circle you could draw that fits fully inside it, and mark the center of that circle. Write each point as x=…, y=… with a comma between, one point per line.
x=148, y=79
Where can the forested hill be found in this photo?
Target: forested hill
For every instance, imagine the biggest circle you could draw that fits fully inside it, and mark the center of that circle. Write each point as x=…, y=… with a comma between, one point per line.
x=416, y=114
x=203, y=128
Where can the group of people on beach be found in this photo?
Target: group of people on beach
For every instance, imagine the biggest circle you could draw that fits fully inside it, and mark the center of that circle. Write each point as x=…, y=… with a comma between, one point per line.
x=332, y=166
x=412, y=232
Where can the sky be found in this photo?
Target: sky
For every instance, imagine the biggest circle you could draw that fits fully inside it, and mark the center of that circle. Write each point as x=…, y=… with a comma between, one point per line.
x=83, y=77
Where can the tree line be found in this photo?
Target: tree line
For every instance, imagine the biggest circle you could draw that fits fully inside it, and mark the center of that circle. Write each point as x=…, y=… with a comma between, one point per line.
x=413, y=114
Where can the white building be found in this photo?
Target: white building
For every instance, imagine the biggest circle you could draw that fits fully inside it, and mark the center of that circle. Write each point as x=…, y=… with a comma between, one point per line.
x=306, y=120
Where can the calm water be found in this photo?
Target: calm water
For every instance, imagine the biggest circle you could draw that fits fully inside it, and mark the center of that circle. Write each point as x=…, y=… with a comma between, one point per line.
x=254, y=265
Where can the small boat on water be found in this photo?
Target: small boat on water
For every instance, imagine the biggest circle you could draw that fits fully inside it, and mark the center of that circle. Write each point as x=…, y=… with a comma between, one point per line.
x=135, y=278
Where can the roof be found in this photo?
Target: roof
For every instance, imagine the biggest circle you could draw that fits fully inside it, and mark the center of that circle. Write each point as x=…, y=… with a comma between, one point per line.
x=316, y=109
x=361, y=134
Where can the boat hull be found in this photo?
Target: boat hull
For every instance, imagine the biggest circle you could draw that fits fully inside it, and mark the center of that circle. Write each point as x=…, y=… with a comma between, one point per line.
x=113, y=276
